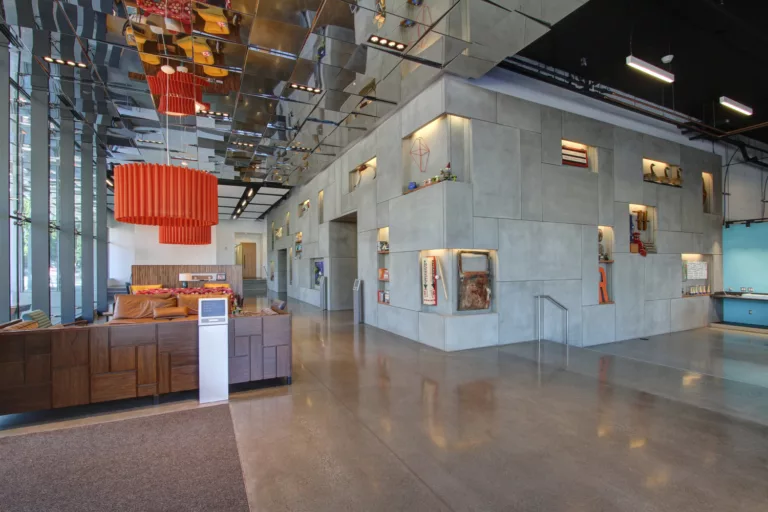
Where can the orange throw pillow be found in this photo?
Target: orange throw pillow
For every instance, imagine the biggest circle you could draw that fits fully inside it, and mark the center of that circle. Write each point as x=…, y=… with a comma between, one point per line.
x=172, y=312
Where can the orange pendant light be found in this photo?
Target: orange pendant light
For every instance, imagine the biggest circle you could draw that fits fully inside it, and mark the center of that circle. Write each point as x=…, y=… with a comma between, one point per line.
x=181, y=94
x=185, y=235
x=165, y=195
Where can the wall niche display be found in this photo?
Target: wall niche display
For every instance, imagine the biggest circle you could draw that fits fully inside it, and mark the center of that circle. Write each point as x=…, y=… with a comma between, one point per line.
x=362, y=174
x=299, y=247
x=318, y=271
x=662, y=173
x=429, y=281
x=707, y=192
x=435, y=152
x=474, y=280
x=605, y=260
x=303, y=208
x=575, y=154
x=382, y=255
x=642, y=229
x=696, y=277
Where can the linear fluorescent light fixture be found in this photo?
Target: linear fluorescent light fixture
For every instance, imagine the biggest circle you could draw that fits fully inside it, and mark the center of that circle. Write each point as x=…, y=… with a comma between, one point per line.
x=735, y=105
x=650, y=69
x=307, y=88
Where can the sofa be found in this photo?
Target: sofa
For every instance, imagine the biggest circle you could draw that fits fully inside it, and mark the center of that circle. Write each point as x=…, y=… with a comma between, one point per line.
x=170, y=306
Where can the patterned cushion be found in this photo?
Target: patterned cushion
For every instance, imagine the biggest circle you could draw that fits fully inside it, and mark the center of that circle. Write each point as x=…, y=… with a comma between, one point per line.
x=43, y=321
x=141, y=287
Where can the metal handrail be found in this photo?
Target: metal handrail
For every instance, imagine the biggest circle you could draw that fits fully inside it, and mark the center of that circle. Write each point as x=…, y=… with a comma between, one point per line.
x=565, y=330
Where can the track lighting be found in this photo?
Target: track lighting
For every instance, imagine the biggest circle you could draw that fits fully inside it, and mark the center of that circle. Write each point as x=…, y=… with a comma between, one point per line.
x=250, y=192
x=159, y=142
x=306, y=88
x=735, y=105
x=387, y=43
x=650, y=69
x=243, y=144
x=62, y=62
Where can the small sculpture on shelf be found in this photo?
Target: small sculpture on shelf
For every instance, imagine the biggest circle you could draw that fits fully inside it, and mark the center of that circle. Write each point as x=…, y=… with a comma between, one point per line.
x=383, y=246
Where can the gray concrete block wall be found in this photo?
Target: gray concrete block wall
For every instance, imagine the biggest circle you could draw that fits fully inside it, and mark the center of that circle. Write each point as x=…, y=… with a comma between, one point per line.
x=539, y=217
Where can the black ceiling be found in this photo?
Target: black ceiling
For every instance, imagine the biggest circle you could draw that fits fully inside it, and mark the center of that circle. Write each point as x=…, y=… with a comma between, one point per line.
x=719, y=48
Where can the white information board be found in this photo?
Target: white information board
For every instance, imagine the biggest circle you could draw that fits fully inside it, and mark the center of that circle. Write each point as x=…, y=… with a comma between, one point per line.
x=213, y=349
x=696, y=270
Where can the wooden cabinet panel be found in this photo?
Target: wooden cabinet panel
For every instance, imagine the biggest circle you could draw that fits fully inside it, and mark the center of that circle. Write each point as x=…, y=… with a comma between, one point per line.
x=25, y=398
x=277, y=330
x=242, y=346
x=146, y=390
x=37, y=369
x=69, y=347
x=164, y=372
x=12, y=348
x=283, y=361
x=113, y=386
x=239, y=369
x=183, y=378
x=99, y=341
x=248, y=325
x=11, y=374
x=184, y=358
x=146, y=367
x=270, y=362
x=231, y=341
x=173, y=336
x=37, y=344
x=69, y=386
x=257, y=362
x=122, y=359
x=132, y=334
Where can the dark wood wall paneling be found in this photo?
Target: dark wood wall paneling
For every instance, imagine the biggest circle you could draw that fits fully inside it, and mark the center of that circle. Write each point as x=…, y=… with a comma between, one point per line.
x=54, y=368
x=168, y=275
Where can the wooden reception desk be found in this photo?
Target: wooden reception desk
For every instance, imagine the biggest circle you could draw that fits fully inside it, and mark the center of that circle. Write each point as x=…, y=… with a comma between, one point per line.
x=168, y=275
x=61, y=367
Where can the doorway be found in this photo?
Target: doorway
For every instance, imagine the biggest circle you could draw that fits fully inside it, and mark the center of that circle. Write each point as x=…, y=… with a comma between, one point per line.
x=342, y=265
x=247, y=256
x=282, y=271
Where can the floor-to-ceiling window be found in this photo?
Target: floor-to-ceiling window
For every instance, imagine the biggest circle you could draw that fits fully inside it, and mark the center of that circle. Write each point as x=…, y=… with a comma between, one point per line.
x=78, y=220
x=54, y=158
x=19, y=183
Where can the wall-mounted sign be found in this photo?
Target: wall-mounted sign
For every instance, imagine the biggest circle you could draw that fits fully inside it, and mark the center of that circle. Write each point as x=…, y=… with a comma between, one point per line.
x=695, y=270
x=429, y=280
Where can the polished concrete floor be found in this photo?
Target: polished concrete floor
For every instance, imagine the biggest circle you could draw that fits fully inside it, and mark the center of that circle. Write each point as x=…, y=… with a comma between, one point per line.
x=376, y=422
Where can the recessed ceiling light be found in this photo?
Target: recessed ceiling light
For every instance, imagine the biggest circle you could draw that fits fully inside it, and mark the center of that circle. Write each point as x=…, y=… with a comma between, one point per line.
x=47, y=59
x=167, y=69
x=226, y=115
x=383, y=41
x=295, y=86
x=374, y=39
x=71, y=63
x=60, y=61
x=735, y=105
x=81, y=64
x=650, y=69
x=392, y=44
x=244, y=202
x=250, y=192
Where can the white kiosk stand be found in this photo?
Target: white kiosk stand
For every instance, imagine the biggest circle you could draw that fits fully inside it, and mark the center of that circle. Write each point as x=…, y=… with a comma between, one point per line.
x=213, y=349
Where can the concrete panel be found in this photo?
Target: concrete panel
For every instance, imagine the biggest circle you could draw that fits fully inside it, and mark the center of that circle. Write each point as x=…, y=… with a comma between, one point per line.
x=661, y=150
x=598, y=324
x=628, y=166
x=657, y=319
x=402, y=322
x=486, y=233
x=689, y=313
x=517, y=311
x=569, y=194
x=538, y=251
x=712, y=239
x=629, y=295
x=590, y=274
x=551, y=136
x=567, y=293
x=416, y=220
x=424, y=108
x=530, y=175
x=621, y=227
x=405, y=280
x=323, y=239
x=342, y=239
x=382, y=215
x=716, y=272
x=518, y=113
x=651, y=194
x=587, y=131
x=342, y=273
x=457, y=205
x=605, y=187
x=367, y=271
x=389, y=162
x=471, y=331
x=367, y=213
x=677, y=242
x=495, y=170
x=469, y=101
x=663, y=276
x=670, y=208
x=432, y=330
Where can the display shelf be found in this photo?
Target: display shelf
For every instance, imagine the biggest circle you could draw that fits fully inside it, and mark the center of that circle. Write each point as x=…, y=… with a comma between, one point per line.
x=383, y=303
x=605, y=261
x=383, y=252
x=694, y=296
x=662, y=173
x=383, y=280
x=606, y=303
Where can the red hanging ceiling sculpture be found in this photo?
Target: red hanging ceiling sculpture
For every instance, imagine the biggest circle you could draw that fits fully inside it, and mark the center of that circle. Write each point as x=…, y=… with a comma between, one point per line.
x=181, y=94
x=185, y=235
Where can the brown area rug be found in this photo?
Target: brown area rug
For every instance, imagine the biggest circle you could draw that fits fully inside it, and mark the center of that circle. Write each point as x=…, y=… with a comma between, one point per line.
x=180, y=461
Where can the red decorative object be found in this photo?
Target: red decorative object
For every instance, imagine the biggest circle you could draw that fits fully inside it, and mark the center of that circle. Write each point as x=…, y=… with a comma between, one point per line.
x=165, y=195
x=185, y=235
x=420, y=153
x=181, y=94
x=576, y=157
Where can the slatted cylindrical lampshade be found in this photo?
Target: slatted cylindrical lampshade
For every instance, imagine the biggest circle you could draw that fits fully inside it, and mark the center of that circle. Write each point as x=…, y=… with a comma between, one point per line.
x=180, y=94
x=165, y=195
x=185, y=235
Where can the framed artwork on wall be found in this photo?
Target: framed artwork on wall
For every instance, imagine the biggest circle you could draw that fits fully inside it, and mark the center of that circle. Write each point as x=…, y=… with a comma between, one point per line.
x=474, y=280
